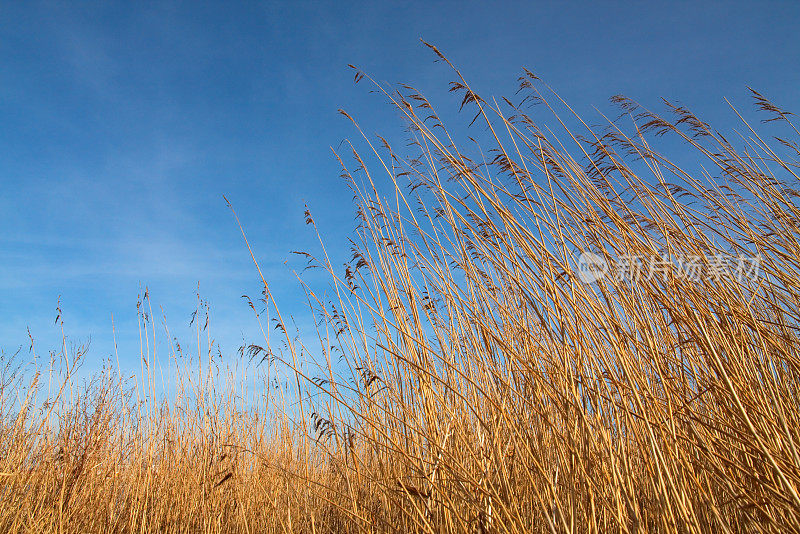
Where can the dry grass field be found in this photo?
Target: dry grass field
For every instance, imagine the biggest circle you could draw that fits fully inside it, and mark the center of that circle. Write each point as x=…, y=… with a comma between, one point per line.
x=463, y=377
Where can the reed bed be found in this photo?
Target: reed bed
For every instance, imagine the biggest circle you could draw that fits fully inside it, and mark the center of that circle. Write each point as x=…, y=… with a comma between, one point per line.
x=464, y=376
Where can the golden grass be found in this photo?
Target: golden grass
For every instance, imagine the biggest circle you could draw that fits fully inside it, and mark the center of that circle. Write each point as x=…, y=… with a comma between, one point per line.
x=465, y=379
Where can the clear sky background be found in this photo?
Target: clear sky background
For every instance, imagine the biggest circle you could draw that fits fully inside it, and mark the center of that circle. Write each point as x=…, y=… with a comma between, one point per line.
x=122, y=124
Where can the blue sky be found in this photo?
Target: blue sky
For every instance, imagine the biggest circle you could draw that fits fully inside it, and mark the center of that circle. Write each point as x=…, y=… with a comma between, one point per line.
x=123, y=124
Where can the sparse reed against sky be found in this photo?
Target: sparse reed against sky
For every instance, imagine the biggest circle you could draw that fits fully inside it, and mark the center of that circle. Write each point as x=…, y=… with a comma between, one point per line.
x=123, y=125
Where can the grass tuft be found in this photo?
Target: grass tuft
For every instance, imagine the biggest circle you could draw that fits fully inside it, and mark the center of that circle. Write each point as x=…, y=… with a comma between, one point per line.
x=466, y=379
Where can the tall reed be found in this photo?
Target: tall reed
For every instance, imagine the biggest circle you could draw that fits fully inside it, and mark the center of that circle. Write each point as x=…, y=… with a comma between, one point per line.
x=464, y=376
